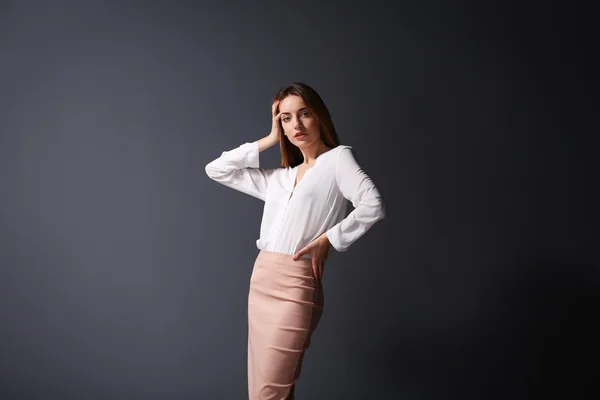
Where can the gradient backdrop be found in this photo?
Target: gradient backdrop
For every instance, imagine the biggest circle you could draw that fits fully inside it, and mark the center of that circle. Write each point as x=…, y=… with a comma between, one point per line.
x=124, y=269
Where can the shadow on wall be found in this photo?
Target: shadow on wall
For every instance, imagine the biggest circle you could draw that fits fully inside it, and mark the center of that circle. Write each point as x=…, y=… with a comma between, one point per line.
x=540, y=339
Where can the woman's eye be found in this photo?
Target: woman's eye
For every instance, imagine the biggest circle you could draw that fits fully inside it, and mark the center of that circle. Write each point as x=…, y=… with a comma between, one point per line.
x=286, y=119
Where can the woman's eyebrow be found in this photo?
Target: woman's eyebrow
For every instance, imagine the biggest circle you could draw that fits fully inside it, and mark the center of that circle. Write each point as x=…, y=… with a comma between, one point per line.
x=302, y=109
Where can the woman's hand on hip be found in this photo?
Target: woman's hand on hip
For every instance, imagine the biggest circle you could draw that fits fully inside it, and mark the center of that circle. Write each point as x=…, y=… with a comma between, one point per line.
x=318, y=250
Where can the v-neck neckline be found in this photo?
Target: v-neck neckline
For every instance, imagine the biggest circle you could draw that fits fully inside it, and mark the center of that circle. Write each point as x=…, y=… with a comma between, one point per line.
x=297, y=167
x=296, y=182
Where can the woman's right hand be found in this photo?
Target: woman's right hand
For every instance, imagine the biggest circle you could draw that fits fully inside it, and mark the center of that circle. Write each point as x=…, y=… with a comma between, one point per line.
x=276, y=132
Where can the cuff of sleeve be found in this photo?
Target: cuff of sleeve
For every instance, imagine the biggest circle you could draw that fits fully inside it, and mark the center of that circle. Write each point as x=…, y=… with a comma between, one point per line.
x=252, y=158
x=333, y=235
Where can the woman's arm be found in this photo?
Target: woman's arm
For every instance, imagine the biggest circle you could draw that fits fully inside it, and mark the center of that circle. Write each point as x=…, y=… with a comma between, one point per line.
x=239, y=168
x=267, y=141
x=357, y=187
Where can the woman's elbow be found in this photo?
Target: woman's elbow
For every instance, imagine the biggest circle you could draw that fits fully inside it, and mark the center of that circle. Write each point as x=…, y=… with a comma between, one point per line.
x=212, y=172
x=209, y=171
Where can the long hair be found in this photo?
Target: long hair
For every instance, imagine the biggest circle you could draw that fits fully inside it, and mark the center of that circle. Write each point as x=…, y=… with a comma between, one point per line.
x=291, y=155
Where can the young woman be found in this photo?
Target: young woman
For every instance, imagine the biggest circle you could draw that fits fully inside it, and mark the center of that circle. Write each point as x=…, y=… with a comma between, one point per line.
x=305, y=205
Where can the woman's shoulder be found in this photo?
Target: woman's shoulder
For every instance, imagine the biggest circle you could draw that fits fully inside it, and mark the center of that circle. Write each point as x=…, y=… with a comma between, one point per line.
x=342, y=146
x=334, y=152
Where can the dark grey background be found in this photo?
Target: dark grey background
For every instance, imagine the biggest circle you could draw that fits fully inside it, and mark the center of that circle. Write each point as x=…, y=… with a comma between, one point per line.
x=125, y=270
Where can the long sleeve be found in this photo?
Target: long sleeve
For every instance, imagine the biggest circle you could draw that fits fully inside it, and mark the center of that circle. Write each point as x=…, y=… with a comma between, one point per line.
x=239, y=169
x=369, y=206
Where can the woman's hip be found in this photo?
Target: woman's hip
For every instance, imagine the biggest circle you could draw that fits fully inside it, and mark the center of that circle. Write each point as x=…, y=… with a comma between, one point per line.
x=278, y=277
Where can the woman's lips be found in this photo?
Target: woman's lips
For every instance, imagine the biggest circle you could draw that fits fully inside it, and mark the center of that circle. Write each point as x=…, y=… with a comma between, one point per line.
x=300, y=135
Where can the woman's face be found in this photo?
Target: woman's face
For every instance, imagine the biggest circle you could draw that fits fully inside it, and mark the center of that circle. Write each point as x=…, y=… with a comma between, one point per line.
x=297, y=119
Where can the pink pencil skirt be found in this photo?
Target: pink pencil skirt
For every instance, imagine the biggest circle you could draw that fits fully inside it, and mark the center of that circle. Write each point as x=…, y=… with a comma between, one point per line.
x=285, y=304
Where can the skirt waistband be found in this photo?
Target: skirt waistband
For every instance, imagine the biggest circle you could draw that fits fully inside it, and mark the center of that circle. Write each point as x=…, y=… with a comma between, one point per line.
x=283, y=258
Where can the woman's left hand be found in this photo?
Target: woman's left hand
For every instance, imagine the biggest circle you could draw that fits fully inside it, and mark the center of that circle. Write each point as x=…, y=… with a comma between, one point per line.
x=318, y=250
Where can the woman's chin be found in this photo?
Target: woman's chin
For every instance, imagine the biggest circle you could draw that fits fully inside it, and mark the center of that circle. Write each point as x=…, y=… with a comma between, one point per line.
x=302, y=143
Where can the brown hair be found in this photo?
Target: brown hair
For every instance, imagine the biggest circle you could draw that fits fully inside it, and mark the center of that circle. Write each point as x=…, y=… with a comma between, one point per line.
x=291, y=155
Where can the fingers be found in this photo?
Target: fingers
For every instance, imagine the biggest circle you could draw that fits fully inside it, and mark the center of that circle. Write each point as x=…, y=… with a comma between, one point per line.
x=276, y=130
x=318, y=267
x=276, y=113
x=297, y=255
x=321, y=266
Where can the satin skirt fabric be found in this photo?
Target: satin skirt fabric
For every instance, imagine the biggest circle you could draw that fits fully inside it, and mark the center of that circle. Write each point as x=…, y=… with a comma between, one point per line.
x=285, y=304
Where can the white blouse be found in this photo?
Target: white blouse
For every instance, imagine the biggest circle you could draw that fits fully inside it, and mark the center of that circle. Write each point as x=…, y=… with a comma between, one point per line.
x=293, y=217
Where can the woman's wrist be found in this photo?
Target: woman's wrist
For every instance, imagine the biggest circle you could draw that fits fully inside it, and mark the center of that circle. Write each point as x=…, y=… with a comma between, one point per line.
x=266, y=142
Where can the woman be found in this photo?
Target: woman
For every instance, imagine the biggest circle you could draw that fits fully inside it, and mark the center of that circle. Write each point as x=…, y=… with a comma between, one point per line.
x=305, y=204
